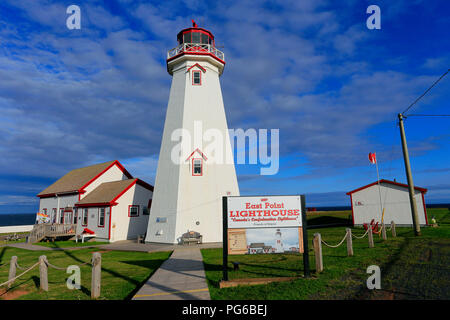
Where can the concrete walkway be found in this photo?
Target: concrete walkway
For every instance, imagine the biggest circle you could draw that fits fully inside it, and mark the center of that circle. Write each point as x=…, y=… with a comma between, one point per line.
x=181, y=277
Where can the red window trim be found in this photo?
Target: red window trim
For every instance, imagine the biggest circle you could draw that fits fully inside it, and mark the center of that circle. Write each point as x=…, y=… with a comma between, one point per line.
x=98, y=219
x=129, y=210
x=201, y=167
x=200, y=73
x=87, y=217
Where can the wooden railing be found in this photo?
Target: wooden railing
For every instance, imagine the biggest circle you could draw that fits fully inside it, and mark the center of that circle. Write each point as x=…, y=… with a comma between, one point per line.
x=40, y=231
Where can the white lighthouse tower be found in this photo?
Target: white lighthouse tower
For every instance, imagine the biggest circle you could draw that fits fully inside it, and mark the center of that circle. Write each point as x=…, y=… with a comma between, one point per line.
x=188, y=192
x=278, y=242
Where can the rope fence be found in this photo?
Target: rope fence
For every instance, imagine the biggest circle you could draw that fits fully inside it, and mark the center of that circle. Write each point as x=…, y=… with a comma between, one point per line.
x=44, y=264
x=337, y=245
x=16, y=277
x=355, y=236
x=318, y=241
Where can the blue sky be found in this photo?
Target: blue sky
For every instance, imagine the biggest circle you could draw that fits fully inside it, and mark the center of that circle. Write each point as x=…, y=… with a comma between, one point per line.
x=312, y=69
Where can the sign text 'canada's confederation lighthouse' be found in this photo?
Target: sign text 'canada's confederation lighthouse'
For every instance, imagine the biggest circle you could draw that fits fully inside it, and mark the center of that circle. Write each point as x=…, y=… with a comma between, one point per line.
x=192, y=176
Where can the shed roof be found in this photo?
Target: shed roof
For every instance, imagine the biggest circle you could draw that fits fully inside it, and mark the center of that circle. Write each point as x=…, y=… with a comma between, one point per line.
x=388, y=182
x=77, y=179
x=108, y=192
x=257, y=245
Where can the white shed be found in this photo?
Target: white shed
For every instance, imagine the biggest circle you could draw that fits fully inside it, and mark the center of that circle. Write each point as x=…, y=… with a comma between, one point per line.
x=395, y=199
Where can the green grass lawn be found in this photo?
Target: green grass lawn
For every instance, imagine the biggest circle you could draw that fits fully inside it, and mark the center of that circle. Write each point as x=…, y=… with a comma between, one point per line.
x=122, y=273
x=344, y=277
x=69, y=244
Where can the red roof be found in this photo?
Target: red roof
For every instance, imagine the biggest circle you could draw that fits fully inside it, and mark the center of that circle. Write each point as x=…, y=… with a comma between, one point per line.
x=389, y=182
x=108, y=192
x=77, y=180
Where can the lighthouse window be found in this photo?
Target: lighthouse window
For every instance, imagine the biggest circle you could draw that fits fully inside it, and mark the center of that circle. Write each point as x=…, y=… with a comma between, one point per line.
x=205, y=38
x=195, y=37
x=197, y=167
x=196, y=78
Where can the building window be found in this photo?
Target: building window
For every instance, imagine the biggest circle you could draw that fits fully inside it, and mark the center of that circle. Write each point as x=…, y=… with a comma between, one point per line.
x=75, y=216
x=84, y=222
x=196, y=78
x=68, y=217
x=133, y=211
x=101, y=217
x=53, y=217
x=61, y=215
x=197, y=167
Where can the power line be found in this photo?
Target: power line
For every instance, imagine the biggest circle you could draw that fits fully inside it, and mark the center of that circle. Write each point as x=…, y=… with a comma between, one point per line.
x=428, y=115
x=426, y=91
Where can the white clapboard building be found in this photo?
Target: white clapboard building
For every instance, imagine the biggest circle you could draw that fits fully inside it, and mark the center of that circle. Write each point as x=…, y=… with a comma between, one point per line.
x=188, y=191
x=104, y=198
x=394, y=198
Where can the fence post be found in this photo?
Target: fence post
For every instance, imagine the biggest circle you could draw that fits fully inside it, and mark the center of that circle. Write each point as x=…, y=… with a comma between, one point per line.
x=12, y=270
x=349, y=242
x=43, y=275
x=383, y=231
x=394, y=233
x=370, y=236
x=96, y=275
x=317, y=242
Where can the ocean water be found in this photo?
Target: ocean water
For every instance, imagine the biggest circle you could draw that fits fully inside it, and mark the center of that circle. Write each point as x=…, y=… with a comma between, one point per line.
x=17, y=219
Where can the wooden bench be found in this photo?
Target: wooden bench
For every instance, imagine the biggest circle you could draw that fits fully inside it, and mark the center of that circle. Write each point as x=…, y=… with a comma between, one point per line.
x=191, y=237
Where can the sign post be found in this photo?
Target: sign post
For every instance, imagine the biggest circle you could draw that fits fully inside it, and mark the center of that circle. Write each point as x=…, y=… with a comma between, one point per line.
x=225, y=237
x=257, y=212
x=305, y=239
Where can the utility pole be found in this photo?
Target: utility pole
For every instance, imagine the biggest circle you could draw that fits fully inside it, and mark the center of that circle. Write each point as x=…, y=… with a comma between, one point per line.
x=412, y=200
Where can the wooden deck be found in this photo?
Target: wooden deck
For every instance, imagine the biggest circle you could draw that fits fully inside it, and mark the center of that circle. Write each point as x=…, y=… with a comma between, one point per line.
x=53, y=231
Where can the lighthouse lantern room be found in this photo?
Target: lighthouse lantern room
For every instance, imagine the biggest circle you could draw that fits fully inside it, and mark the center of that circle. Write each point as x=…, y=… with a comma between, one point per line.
x=188, y=192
